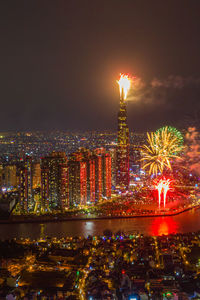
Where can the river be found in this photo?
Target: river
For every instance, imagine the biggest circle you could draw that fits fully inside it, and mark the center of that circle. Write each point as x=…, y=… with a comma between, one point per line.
x=188, y=221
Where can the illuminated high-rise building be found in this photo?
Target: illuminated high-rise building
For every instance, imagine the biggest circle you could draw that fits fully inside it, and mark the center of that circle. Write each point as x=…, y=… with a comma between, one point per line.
x=44, y=186
x=10, y=176
x=54, y=181
x=36, y=185
x=36, y=175
x=1, y=176
x=113, y=155
x=89, y=176
x=106, y=175
x=23, y=190
x=135, y=163
x=98, y=176
x=122, y=162
x=25, y=185
x=91, y=192
x=103, y=174
x=78, y=175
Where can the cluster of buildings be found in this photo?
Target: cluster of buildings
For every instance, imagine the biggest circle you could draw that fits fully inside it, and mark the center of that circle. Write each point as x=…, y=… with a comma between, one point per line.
x=57, y=182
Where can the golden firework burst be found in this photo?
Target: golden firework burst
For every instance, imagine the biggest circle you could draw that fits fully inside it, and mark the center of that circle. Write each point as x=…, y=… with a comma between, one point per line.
x=161, y=149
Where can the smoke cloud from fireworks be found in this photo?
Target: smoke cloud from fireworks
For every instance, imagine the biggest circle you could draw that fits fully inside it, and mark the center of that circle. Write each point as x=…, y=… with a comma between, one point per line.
x=192, y=154
x=156, y=91
x=176, y=82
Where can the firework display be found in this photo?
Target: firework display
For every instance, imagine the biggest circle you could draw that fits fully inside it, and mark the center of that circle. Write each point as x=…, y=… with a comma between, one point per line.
x=159, y=187
x=163, y=186
x=176, y=134
x=163, y=146
x=124, y=85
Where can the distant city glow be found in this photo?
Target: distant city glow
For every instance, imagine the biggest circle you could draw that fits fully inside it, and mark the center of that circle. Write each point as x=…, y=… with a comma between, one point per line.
x=124, y=85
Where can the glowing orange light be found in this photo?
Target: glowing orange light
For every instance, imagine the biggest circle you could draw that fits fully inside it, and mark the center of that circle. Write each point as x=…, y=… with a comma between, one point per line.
x=124, y=85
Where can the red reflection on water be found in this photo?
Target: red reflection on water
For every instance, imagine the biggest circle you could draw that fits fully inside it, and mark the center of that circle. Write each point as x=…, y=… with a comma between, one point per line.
x=163, y=225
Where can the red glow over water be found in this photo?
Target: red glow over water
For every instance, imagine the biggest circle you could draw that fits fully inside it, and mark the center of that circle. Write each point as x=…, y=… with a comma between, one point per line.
x=163, y=225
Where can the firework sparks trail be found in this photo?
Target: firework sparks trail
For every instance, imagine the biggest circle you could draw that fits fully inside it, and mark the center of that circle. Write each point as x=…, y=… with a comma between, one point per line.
x=159, y=187
x=163, y=186
x=124, y=85
x=166, y=188
x=171, y=132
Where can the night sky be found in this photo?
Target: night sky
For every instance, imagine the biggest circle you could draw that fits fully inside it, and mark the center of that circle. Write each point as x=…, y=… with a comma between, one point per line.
x=59, y=62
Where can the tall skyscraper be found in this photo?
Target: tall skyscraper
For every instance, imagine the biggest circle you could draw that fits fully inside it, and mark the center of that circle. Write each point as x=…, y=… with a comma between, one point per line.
x=102, y=174
x=1, y=176
x=44, y=186
x=122, y=168
x=89, y=176
x=113, y=154
x=135, y=159
x=98, y=175
x=10, y=176
x=36, y=175
x=54, y=181
x=91, y=180
x=106, y=175
x=78, y=183
x=26, y=203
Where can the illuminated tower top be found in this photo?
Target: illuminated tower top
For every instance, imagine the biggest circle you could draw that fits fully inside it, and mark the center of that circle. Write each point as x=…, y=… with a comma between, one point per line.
x=124, y=86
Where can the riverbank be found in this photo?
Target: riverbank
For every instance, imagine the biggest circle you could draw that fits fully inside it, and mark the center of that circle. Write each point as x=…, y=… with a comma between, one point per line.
x=60, y=218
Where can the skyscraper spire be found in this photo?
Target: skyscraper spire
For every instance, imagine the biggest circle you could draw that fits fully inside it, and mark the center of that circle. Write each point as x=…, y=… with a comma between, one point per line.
x=122, y=176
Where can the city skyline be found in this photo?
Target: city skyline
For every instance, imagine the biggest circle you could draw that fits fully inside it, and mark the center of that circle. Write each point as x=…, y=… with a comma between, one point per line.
x=60, y=62
x=99, y=150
